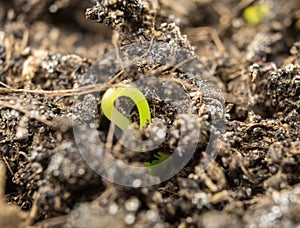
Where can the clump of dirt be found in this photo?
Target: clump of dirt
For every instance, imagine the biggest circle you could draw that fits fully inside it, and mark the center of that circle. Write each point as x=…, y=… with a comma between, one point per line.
x=46, y=50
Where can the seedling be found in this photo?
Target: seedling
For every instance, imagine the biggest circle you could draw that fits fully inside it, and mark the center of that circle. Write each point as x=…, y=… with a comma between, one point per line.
x=256, y=13
x=109, y=110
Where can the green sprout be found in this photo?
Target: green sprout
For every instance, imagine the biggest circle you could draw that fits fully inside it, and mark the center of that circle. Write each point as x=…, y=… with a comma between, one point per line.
x=109, y=110
x=257, y=13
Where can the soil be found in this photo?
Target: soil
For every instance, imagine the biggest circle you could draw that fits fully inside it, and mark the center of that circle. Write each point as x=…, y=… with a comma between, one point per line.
x=46, y=49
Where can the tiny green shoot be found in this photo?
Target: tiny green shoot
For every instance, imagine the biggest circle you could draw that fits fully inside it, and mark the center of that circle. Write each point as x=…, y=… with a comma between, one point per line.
x=109, y=110
x=256, y=13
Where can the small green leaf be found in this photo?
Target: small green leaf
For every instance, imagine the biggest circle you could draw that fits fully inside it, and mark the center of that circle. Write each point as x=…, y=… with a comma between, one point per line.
x=257, y=13
x=160, y=157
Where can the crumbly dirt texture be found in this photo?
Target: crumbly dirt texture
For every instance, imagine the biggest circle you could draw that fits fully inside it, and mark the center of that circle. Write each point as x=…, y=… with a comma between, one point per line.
x=47, y=46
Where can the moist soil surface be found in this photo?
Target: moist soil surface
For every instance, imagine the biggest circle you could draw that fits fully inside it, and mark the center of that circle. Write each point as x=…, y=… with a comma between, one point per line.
x=53, y=74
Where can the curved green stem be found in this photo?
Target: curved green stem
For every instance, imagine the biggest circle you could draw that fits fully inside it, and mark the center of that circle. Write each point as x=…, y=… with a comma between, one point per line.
x=109, y=110
x=118, y=118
